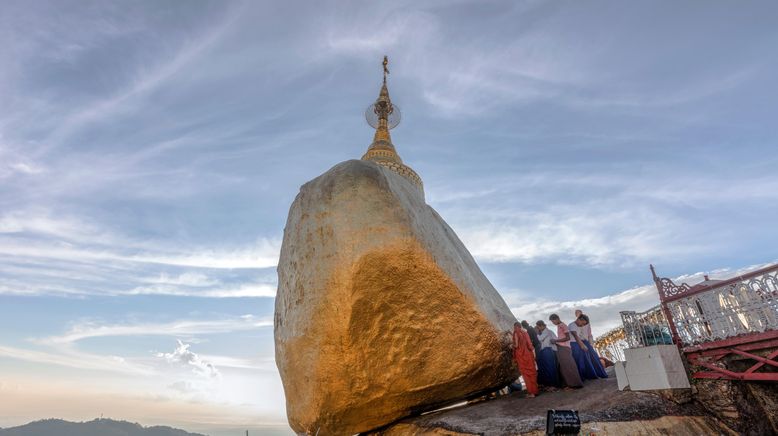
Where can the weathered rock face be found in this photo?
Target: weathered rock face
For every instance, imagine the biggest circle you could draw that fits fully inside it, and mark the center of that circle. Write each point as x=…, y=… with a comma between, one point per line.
x=381, y=312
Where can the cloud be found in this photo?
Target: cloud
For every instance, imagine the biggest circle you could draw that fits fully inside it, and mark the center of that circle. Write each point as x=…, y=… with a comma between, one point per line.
x=572, y=215
x=361, y=38
x=604, y=311
x=184, y=357
x=87, y=330
x=146, y=80
x=263, y=255
x=264, y=364
x=194, y=279
x=595, y=237
x=50, y=253
x=241, y=291
x=62, y=349
x=24, y=168
x=75, y=359
x=41, y=221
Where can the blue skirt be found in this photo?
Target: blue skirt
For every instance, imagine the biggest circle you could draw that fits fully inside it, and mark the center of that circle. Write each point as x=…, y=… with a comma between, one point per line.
x=582, y=361
x=599, y=370
x=548, y=372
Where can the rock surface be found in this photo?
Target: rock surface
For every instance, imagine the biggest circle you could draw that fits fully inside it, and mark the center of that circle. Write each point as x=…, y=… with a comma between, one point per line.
x=381, y=311
x=603, y=409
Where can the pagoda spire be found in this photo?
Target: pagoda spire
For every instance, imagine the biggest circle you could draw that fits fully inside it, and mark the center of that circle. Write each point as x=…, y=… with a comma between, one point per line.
x=382, y=110
x=383, y=116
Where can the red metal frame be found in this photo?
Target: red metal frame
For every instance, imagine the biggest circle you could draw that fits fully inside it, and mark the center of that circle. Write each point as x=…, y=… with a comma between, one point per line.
x=708, y=354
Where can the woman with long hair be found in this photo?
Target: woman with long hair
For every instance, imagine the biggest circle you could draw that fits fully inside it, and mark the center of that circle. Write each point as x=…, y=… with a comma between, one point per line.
x=524, y=354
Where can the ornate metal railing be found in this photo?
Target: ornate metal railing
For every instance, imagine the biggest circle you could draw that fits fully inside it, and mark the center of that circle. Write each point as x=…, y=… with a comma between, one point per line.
x=642, y=329
x=720, y=309
x=611, y=344
x=638, y=329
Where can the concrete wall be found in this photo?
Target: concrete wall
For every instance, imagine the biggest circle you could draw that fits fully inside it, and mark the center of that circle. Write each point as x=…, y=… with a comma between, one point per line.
x=650, y=368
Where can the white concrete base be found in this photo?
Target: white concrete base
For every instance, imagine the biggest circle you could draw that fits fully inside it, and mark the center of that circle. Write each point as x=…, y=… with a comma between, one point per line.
x=621, y=375
x=649, y=368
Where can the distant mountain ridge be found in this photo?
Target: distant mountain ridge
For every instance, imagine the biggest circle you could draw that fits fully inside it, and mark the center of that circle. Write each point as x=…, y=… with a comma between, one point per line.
x=98, y=427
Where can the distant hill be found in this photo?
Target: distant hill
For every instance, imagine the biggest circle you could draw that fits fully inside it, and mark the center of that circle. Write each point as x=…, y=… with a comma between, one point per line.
x=98, y=427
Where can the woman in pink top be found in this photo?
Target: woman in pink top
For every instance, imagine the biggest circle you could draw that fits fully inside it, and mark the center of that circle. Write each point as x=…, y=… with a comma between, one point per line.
x=567, y=368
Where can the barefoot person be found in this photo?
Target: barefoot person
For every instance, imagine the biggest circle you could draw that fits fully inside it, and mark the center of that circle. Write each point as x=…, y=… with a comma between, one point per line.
x=548, y=368
x=580, y=351
x=567, y=369
x=586, y=336
x=524, y=354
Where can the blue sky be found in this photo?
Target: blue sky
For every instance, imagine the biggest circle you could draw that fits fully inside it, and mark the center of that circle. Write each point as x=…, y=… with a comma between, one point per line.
x=149, y=152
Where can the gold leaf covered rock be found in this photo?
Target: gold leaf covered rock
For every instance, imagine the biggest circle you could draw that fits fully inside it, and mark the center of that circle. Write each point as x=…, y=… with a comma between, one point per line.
x=381, y=311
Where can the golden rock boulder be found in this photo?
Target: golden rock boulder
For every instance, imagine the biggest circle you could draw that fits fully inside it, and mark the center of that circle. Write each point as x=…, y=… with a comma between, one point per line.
x=381, y=311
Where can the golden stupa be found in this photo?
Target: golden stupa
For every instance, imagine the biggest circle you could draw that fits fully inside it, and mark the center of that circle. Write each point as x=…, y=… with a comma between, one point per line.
x=383, y=115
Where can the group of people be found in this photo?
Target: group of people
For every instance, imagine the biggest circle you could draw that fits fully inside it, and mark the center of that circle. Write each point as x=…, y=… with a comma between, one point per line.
x=556, y=360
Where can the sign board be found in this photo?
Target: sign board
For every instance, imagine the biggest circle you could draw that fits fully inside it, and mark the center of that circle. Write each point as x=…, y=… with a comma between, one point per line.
x=562, y=422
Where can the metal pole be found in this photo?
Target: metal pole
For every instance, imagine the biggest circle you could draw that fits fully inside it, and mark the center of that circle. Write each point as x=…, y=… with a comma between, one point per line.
x=665, y=310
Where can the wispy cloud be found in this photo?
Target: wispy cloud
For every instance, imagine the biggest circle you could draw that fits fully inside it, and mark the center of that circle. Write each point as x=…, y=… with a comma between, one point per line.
x=63, y=350
x=49, y=254
x=179, y=328
x=578, y=235
x=75, y=359
x=242, y=290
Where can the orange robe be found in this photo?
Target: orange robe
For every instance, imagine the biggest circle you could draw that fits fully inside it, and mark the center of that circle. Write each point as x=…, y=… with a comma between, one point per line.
x=524, y=355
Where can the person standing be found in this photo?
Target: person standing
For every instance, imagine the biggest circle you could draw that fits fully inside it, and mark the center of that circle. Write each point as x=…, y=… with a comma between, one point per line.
x=524, y=354
x=567, y=368
x=533, y=336
x=548, y=368
x=580, y=352
x=586, y=336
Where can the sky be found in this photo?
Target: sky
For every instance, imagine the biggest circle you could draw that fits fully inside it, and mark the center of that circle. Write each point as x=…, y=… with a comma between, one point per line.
x=150, y=150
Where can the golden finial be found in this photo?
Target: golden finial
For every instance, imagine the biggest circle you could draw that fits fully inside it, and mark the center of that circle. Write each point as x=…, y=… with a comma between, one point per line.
x=383, y=116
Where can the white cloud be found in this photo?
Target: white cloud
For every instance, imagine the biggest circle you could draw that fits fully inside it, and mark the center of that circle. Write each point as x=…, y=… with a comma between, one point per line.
x=183, y=356
x=264, y=364
x=361, y=38
x=87, y=330
x=194, y=279
x=65, y=356
x=604, y=311
x=42, y=221
x=263, y=254
x=237, y=291
x=62, y=349
x=24, y=168
x=51, y=253
x=145, y=81
x=63, y=236
x=579, y=235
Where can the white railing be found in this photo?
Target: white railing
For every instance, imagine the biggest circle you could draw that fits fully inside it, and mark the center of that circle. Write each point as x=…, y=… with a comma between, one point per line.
x=638, y=329
x=643, y=329
x=716, y=310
